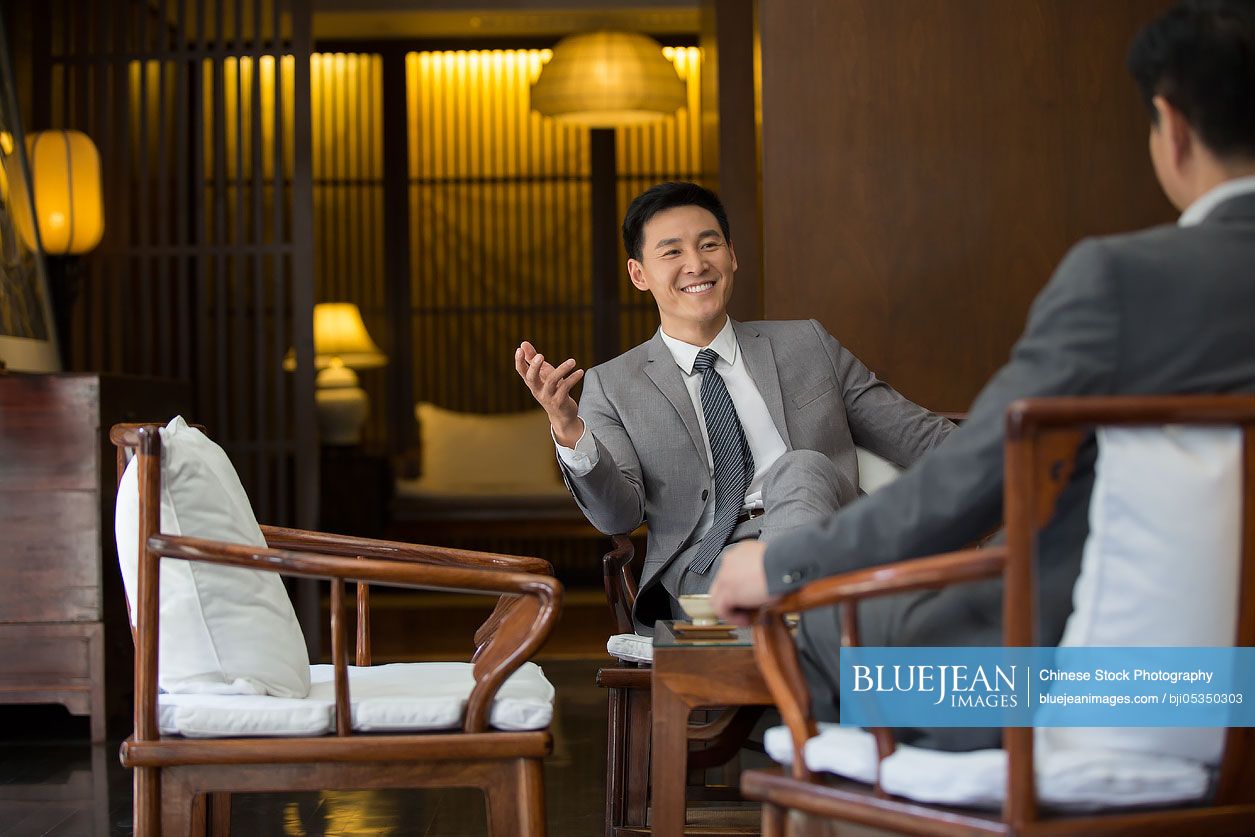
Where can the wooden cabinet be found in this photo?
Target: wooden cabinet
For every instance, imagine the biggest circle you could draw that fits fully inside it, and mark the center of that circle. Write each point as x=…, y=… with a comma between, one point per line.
x=64, y=636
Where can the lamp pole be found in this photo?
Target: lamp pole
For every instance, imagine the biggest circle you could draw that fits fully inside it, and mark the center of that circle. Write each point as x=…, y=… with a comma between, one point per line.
x=605, y=290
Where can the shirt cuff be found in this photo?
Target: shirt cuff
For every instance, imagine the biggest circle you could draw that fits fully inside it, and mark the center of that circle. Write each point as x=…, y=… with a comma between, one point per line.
x=581, y=459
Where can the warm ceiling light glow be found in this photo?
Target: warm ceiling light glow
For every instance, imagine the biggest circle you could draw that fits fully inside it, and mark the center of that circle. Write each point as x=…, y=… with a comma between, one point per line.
x=65, y=173
x=606, y=79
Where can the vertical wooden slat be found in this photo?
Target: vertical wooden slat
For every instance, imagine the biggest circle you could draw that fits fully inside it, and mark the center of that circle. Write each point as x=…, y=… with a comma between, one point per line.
x=302, y=303
x=143, y=309
x=279, y=297
x=218, y=239
x=263, y=376
x=398, y=229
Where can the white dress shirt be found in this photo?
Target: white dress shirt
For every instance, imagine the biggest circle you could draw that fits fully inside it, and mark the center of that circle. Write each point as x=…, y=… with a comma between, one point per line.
x=1201, y=208
x=765, y=442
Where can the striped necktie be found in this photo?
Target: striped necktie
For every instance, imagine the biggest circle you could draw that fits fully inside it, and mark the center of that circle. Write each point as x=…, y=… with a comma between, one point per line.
x=733, y=462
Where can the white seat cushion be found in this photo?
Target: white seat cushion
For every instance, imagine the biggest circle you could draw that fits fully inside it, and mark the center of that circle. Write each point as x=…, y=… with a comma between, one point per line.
x=398, y=697
x=224, y=630
x=633, y=648
x=1067, y=780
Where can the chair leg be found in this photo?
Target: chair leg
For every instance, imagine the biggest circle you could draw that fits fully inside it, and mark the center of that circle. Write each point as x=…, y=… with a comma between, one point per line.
x=516, y=800
x=617, y=734
x=198, y=821
x=636, y=769
x=182, y=809
x=147, y=803
x=220, y=814
x=774, y=819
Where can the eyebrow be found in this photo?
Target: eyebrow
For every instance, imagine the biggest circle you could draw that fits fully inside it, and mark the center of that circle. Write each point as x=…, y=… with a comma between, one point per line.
x=667, y=242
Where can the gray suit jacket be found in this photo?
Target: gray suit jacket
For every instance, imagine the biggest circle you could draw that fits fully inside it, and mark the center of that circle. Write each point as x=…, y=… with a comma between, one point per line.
x=1170, y=310
x=652, y=464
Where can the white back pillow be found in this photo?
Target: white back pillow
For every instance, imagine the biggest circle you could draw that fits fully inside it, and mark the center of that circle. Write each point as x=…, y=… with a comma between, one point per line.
x=486, y=452
x=223, y=630
x=874, y=471
x=1160, y=567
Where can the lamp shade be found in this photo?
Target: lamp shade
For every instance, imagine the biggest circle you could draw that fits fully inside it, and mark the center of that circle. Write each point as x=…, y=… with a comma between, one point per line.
x=605, y=79
x=65, y=176
x=340, y=333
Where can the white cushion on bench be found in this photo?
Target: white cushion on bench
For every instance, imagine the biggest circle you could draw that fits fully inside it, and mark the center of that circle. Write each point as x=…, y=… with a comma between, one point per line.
x=387, y=698
x=633, y=648
x=1067, y=780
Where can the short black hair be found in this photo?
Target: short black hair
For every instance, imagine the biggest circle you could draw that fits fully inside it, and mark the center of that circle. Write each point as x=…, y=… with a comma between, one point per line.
x=660, y=198
x=1200, y=56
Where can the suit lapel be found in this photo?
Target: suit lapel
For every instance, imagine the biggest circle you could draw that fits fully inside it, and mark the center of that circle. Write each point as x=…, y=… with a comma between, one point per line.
x=663, y=371
x=760, y=362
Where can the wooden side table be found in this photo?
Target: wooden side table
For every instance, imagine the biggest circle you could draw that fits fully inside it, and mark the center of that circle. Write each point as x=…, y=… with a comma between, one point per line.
x=692, y=674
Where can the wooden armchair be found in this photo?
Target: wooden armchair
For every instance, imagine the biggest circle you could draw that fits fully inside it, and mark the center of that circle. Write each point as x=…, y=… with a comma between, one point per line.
x=181, y=781
x=1042, y=439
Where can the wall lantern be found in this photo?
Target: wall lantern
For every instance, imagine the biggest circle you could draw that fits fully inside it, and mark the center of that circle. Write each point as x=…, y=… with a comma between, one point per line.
x=65, y=178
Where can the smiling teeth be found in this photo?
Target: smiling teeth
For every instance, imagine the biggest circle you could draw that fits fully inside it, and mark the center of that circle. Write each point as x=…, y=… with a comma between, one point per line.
x=693, y=289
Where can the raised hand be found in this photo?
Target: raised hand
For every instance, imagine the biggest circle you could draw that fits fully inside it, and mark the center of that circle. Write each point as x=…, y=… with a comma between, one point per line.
x=551, y=387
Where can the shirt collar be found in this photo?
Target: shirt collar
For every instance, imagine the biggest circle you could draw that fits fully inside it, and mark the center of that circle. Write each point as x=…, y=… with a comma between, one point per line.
x=685, y=354
x=1196, y=212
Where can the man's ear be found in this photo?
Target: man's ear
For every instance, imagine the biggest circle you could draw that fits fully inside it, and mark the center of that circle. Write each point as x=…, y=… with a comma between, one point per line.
x=732, y=253
x=1176, y=131
x=636, y=272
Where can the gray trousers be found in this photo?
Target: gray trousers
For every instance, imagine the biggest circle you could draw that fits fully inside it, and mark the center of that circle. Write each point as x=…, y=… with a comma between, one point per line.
x=799, y=488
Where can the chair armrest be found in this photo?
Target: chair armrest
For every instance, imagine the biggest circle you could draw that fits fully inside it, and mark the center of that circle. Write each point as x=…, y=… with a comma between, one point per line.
x=301, y=540
x=520, y=635
x=620, y=584
x=901, y=577
x=776, y=653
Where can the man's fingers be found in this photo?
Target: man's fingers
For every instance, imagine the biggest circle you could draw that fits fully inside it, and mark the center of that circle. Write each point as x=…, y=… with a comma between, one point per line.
x=533, y=373
x=563, y=390
x=553, y=379
x=520, y=363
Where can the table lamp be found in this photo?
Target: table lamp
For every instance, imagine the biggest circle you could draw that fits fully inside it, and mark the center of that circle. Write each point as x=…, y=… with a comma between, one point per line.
x=341, y=345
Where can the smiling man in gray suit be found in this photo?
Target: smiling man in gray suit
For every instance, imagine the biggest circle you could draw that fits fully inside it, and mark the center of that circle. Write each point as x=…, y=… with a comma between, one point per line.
x=713, y=431
x=1170, y=310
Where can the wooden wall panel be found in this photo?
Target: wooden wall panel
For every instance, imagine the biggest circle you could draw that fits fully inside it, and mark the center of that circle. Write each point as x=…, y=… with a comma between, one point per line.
x=927, y=164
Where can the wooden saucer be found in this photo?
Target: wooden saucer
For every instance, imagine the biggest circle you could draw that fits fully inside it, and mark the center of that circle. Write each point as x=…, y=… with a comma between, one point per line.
x=719, y=631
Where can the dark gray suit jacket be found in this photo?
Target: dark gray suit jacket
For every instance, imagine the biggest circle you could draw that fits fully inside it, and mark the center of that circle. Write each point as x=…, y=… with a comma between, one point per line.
x=1170, y=310
x=652, y=463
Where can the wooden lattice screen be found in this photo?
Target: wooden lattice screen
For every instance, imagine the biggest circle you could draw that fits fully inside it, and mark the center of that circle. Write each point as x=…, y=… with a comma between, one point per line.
x=200, y=109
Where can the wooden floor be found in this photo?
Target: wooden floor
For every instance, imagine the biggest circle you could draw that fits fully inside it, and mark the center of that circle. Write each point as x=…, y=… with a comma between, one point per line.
x=53, y=782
